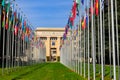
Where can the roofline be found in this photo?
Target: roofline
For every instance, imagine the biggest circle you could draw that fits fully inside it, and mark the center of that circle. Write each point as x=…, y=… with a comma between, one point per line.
x=50, y=29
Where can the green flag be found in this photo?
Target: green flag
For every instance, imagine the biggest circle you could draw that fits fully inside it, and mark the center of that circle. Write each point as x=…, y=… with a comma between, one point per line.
x=3, y=3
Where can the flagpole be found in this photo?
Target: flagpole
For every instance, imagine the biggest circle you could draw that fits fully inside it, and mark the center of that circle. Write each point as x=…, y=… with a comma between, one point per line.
x=80, y=49
x=93, y=45
x=18, y=49
x=113, y=39
x=3, y=51
x=109, y=37
x=117, y=38
x=7, y=51
x=94, y=38
x=12, y=48
x=71, y=49
x=84, y=54
x=101, y=37
x=15, y=51
x=0, y=20
x=98, y=42
x=88, y=47
x=103, y=43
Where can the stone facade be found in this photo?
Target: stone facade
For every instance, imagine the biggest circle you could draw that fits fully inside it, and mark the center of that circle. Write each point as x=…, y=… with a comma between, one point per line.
x=52, y=39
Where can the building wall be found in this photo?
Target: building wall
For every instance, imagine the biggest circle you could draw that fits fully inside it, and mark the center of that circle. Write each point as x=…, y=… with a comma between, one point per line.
x=51, y=34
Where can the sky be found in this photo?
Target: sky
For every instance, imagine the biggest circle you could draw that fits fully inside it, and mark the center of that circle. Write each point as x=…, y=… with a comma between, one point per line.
x=45, y=13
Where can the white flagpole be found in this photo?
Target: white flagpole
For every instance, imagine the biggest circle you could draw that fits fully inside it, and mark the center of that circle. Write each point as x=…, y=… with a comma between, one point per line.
x=3, y=51
x=80, y=49
x=88, y=47
x=12, y=48
x=109, y=37
x=15, y=52
x=98, y=43
x=18, y=49
x=117, y=38
x=84, y=53
x=93, y=45
x=103, y=42
x=113, y=39
x=3, y=54
x=7, y=51
x=0, y=29
x=101, y=37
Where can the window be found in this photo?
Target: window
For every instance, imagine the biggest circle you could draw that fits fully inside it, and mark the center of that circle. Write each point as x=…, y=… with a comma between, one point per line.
x=53, y=43
x=54, y=52
x=32, y=55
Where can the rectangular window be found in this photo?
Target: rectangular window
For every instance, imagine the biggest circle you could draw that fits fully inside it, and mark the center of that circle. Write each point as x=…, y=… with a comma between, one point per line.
x=53, y=43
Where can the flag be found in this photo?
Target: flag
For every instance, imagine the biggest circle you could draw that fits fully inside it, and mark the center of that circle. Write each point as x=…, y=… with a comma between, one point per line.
x=102, y=4
x=74, y=10
x=84, y=23
x=3, y=3
x=13, y=24
x=66, y=29
x=7, y=16
x=82, y=1
x=96, y=7
x=64, y=36
x=87, y=20
x=91, y=11
x=3, y=13
x=14, y=21
x=10, y=21
x=24, y=29
x=16, y=29
x=78, y=6
x=23, y=37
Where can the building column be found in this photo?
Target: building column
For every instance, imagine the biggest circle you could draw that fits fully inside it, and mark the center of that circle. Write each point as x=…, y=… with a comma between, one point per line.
x=58, y=50
x=48, y=49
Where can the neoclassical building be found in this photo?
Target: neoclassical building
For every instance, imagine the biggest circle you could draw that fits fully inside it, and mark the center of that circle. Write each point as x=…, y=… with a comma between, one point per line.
x=52, y=38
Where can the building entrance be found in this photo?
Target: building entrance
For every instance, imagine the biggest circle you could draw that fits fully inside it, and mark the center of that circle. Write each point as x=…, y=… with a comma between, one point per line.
x=53, y=54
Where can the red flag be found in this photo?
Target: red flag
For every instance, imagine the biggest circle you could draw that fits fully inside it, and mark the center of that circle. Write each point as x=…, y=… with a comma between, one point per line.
x=74, y=10
x=6, y=25
x=16, y=29
x=91, y=10
x=96, y=7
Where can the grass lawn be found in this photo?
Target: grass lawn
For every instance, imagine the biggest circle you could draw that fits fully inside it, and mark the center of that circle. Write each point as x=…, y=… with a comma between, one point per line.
x=44, y=71
x=98, y=71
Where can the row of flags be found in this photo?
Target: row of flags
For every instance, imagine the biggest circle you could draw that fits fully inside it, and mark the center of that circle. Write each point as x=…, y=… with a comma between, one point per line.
x=13, y=21
x=83, y=9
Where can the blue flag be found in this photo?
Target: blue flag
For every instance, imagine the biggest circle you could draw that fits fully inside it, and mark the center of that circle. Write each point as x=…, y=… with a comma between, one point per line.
x=82, y=1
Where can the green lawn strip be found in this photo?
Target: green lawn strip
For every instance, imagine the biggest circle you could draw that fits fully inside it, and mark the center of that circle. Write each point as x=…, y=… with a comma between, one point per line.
x=45, y=71
x=98, y=71
x=52, y=71
x=19, y=72
x=64, y=73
